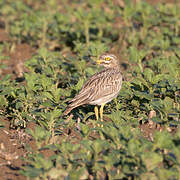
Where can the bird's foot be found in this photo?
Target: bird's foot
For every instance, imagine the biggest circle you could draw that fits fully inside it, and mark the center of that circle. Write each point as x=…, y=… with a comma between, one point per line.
x=100, y=124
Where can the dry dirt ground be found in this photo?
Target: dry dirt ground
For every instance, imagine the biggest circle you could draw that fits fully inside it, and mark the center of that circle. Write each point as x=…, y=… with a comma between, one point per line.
x=12, y=141
x=11, y=149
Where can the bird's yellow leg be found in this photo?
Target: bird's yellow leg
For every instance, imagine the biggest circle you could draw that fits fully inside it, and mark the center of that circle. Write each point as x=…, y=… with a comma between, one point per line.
x=101, y=111
x=96, y=112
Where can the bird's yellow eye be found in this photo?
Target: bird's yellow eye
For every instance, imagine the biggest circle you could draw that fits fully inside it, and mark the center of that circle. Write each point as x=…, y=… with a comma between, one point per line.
x=107, y=58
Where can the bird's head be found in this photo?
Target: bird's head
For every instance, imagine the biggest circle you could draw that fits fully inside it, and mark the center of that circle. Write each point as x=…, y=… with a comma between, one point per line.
x=108, y=60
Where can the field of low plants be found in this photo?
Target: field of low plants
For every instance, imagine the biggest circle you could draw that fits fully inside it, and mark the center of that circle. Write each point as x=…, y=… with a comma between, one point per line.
x=140, y=136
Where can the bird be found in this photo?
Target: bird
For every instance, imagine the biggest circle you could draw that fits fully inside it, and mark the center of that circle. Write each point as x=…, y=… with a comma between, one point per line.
x=101, y=87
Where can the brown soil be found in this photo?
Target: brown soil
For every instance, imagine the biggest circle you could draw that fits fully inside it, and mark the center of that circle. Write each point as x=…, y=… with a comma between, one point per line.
x=12, y=141
x=16, y=56
x=161, y=1
x=11, y=149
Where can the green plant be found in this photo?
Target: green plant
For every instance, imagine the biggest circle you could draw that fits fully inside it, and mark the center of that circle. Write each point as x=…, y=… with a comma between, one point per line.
x=67, y=36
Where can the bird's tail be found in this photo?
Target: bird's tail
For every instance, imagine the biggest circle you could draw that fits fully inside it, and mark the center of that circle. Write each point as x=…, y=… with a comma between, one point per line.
x=74, y=103
x=71, y=106
x=68, y=110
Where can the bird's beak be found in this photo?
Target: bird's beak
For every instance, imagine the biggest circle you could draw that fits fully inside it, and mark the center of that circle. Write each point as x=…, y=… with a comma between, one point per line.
x=98, y=61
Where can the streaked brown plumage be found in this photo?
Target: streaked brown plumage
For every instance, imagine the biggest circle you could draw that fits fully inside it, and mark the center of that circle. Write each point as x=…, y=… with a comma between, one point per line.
x=100, y=88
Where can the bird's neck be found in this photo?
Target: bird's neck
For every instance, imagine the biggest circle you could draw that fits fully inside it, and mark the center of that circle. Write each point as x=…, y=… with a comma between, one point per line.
x=116, y=66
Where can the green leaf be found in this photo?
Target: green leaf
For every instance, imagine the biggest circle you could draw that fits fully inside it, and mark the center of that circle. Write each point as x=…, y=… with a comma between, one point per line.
x=151, y=160
x=31, y=172
x=149, y=75
x=48, y=95
x=3, y=101
x=163, y=140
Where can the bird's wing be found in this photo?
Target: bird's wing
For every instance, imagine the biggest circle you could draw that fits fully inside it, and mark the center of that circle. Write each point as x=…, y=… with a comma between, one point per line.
x=97, y=86
x=107, y=86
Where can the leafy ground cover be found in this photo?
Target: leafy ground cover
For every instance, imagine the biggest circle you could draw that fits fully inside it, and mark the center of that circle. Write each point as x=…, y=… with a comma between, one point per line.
x=140, y=138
